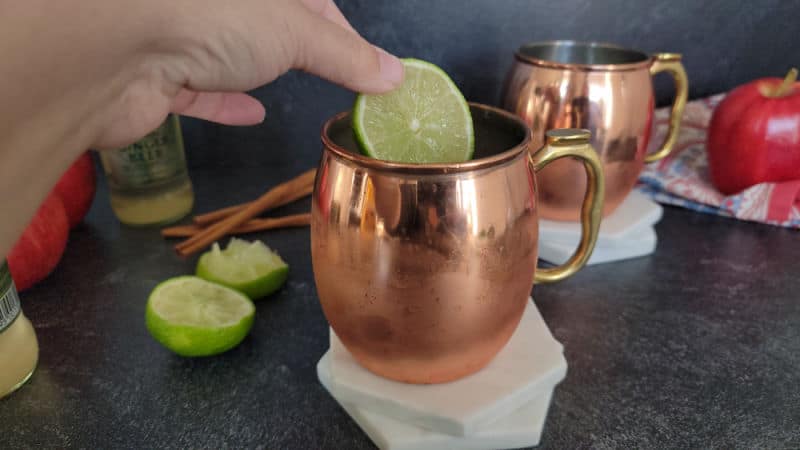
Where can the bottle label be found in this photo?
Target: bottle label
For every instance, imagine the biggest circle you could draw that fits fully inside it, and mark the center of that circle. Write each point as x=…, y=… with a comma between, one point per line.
x=156, y=159
x=9, y=300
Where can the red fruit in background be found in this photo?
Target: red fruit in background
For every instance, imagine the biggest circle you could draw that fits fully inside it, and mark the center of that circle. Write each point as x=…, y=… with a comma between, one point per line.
x=77, y=188
x=754, y=135
x=39, y=249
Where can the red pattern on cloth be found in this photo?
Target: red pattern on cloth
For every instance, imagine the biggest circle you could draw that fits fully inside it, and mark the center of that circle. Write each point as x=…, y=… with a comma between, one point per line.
x=682, y=178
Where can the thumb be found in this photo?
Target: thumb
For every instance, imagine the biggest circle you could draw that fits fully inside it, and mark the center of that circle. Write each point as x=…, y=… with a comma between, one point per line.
x=343, y=57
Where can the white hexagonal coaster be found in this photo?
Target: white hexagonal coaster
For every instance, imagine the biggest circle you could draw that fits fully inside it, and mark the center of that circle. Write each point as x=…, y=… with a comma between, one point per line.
x=521, y=428
x=529, y=365
x=627, y=233
x=634, y=246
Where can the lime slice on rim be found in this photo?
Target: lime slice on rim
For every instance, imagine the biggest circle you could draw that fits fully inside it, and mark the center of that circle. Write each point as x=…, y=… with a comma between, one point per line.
x=251, y=268
x=426, y=120
x=193, y=317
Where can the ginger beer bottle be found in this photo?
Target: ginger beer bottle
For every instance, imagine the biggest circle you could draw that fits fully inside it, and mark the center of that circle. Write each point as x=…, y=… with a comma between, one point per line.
x=148, y=181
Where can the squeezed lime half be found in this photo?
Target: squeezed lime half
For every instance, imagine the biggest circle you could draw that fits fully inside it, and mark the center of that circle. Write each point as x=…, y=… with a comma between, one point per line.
x=251, y=268
x=194, y=317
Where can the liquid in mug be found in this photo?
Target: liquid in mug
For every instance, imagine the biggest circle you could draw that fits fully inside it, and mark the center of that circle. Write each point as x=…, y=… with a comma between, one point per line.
x=148, y=180
x=19, y=349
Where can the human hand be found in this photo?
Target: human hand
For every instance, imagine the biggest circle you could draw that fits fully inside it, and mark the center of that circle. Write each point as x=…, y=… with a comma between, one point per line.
x=217, y=50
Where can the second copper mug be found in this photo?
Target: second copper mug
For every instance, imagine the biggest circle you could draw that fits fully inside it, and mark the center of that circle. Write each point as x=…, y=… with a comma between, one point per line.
x=424, y=271
x=604, y=88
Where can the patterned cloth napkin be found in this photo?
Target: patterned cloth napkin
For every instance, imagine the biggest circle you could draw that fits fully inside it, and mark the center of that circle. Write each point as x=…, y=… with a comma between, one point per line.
x=682, y=178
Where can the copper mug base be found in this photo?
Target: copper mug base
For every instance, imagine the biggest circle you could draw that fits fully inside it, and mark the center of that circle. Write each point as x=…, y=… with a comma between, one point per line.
x=601, y=87
x=424, y=271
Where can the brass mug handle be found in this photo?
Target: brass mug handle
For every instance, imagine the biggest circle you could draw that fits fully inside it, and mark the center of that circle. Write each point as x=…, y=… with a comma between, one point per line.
x=570, y=142
x=671, y=62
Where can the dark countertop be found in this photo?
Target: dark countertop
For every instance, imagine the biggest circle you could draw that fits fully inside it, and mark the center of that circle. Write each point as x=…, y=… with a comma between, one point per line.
x=697, y=345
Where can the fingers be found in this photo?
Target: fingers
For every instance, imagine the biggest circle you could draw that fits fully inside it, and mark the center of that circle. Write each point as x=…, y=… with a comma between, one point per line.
x=310, y=35
x=343, y=57
x=227, y=108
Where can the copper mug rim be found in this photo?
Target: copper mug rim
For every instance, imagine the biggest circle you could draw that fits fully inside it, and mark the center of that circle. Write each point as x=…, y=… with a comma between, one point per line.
x=627, y=58
x=437, y=168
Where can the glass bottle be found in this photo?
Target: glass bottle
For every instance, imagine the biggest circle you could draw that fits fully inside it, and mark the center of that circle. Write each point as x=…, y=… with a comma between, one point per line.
x=19, y=349
x=148, y=181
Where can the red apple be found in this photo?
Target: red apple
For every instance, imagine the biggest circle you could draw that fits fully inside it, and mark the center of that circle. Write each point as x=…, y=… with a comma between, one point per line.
x=39, y=249
x=77, y=188
x=754, y=135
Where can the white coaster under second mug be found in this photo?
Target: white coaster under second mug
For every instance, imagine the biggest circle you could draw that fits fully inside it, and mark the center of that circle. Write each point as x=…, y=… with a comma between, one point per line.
x=627, y=233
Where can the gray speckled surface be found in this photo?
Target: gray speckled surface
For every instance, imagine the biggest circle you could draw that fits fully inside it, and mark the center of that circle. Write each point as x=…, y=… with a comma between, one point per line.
x=695, y=346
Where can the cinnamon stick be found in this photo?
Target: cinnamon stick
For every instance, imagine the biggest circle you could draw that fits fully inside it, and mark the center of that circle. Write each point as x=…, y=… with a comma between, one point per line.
x=215, y=216
x=275, y=195
x=252, y=225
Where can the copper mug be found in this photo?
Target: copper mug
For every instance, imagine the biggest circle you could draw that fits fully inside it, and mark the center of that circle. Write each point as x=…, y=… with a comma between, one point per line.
x=600, y=87
x=424, y=271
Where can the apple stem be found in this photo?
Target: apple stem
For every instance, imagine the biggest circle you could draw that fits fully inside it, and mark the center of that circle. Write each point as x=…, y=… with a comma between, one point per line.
x=786, y=86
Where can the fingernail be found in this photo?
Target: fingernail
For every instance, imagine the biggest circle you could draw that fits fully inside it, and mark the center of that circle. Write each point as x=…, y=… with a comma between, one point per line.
x=391, y=68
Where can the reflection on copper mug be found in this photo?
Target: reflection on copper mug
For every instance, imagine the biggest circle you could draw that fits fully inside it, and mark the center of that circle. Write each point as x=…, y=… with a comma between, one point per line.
x=423, y=271
x=600, y=87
